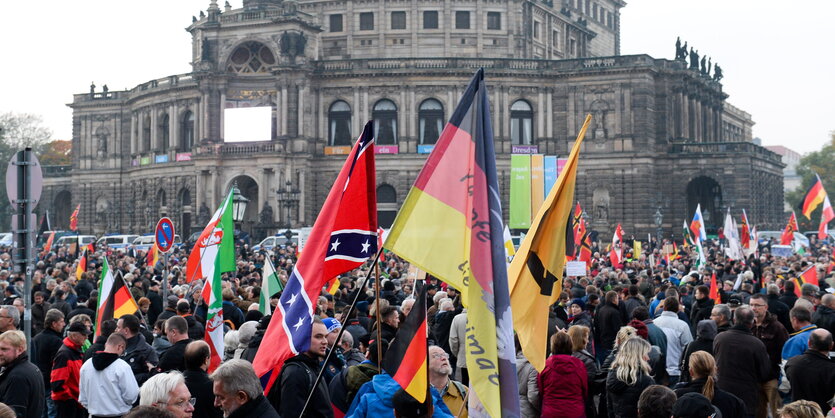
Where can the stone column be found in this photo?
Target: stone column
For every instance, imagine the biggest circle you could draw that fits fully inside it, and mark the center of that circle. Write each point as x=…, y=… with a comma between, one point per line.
x=140, y=145
x=172, y=128
x=133, y=134
x=300, y=111
x=155, y=140
x=222, y=114
x=356, y=114
x=283, y=112
x=213, y=186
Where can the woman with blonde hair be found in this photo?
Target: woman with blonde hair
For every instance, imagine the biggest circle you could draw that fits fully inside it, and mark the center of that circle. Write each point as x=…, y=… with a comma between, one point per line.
x=801, y=409
x=628, y=377
x=702, y=368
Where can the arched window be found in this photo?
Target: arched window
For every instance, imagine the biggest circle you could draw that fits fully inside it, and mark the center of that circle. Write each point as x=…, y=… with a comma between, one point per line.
x=146, y=134
x=187, y=131
x=385, y=122
x=250, y=58
x=386, y=205
x=521, y=123
x=164, y=132
x=339, y=122
x=430, y=121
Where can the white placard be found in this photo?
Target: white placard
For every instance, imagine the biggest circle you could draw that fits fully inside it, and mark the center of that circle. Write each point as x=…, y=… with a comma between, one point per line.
x=575, y=268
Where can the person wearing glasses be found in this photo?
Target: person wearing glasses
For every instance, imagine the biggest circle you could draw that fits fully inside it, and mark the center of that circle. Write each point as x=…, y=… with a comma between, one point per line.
x=107, y=387
x=168, y=391
x=452, y=392
x=773, y=334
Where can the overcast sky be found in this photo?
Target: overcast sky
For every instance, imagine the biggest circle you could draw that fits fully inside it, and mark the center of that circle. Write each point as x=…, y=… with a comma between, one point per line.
x=777, y=59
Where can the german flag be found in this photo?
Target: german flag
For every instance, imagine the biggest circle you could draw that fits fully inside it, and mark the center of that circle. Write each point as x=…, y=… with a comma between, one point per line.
x=82, y=261
x=406, y=358
x=814, y=197
x=152, y=257
x=115, y=299
x=810, y=275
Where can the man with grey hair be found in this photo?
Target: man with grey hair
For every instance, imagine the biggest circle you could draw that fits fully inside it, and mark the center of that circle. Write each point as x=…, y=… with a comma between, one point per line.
x=238, y=391
x=824, y=316
x=809, y=292
x=742, y=360
x=778, y=308
x=168, y=391
x=721, y=314
x=9, y=318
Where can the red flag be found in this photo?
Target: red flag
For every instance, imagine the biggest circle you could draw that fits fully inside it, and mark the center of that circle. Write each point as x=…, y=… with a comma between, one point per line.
x=74, y=218
x=810, y=275
x=746, y=232
x=380, y=243
x=714, y=290
x=49, y=240
x=616, y=252
x=585, y=243
x=788, y=232
x=342, y=238
x=576, y=221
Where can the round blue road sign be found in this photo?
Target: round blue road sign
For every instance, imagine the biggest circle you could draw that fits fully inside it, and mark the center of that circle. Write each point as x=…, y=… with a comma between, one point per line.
x=164, y=235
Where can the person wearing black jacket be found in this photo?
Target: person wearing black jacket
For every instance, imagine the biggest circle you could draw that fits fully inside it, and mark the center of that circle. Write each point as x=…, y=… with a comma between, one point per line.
x=294, y=383
x=702, y=367
x=238, y=391
x=812, y=374
x=607, y=323
x=701, y=308
x=197, y=360
x=138, y=354
x=176, y=330
x=824, y=316
x=156, y=301
x=44, y=347
x=21, y=386
x=778, y=308
x=107, y=328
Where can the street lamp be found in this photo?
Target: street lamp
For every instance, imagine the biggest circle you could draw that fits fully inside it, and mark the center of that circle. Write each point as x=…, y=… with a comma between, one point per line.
x=658, y=218
x=239, y=203
x=288, y=197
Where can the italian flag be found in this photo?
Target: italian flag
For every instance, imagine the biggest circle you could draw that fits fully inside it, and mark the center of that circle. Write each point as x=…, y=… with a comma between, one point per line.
x=114, y=300
x=270, y=285
x=213, y=254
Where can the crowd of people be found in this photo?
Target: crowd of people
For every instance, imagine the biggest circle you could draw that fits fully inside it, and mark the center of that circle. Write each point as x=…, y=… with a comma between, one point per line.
x=644, y=338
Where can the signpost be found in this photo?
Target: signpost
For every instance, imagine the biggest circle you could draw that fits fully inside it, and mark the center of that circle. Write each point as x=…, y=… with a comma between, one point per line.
x=24, y=184
x=164, y=240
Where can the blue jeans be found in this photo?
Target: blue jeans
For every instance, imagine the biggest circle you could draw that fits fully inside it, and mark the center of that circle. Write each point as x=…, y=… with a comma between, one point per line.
x=49, y=409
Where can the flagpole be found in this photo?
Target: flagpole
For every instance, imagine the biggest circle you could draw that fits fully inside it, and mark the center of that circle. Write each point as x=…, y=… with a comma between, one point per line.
x=377, y=314
x=339, y=338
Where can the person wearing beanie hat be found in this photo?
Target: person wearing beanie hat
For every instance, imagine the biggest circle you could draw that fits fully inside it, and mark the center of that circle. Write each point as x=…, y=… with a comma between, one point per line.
x=577, y=314
x=170, y=307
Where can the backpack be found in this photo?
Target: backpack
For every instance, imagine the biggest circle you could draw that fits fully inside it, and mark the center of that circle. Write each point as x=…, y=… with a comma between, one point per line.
x=276, y=389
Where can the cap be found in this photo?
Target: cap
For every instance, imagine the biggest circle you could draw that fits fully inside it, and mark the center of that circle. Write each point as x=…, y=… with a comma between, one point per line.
x=332, y=324
x=734, y=300
x=692, y=405
x=80, y=327
x=172, y=301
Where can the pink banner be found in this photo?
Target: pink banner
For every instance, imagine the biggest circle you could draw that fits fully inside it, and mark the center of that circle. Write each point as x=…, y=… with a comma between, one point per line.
x=386, y=149
x=183, y=156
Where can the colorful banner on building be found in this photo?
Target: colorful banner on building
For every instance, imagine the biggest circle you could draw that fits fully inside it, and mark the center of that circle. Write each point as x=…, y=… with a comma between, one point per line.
x=537, y=182
x=550, y=169
x=520, y=191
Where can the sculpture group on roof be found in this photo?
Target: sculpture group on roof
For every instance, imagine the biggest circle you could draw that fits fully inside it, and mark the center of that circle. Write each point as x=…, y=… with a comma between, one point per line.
x=703, y=66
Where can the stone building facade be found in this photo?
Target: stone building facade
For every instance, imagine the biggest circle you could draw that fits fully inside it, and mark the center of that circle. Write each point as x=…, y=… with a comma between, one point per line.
x=663, y=136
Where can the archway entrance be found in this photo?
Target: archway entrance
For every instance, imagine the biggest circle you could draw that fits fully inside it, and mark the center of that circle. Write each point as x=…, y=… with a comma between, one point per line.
x=386, y=205
x=62, y=209
x=706, y=192
x=248, y=188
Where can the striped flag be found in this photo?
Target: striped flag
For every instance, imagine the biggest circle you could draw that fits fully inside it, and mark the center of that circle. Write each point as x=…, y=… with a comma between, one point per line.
x=48, y=245
x=82, y=261
x=810, y=275
x=270, y=285
x=114, y=300
x=616, y=250
x=455, y=204
x=212, y=254
x=406, y=358
x=697, y=227
x=789, y=230
x=814, y=197
x=827, y=215
x=343, y=237
x=152, y=257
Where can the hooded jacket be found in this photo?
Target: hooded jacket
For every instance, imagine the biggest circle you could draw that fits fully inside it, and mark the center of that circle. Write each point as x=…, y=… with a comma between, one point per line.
x=705, y=333
x=107, y=386
x=374, y=399
x=137, y=353
x=66, y=370
x=563, y=386
x=289, y=393
x=22, y=388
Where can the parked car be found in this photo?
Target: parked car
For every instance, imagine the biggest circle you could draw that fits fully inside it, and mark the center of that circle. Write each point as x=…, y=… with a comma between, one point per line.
x=6, y=239
x=67, y=240
x=799, y=239
x=810, y=234
x=277, y=240
x=119, y=242
x=145, y=242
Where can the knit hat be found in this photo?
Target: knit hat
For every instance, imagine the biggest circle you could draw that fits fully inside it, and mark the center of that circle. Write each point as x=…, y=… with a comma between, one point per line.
x=693, y=405
x=640, y=328
x=579, y=302
x=332, y=324
x=706, y=329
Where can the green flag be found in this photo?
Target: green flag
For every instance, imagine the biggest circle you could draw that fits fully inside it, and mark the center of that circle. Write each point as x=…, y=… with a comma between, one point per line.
x=270, y=285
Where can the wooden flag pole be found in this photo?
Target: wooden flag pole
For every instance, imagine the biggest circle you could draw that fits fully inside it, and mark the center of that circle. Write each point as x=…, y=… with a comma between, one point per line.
x=377, y=309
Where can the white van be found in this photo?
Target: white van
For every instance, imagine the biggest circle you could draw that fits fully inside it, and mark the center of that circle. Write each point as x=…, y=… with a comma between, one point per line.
x=116, y=242
x=68, y=240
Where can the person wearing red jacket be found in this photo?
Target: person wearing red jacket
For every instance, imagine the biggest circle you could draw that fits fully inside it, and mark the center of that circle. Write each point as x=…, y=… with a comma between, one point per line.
x=66, y=373
x=563, y=383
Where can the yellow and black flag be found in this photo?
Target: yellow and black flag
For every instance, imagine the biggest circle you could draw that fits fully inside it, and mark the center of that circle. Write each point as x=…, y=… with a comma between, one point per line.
x=535, y=275
x=405, y=359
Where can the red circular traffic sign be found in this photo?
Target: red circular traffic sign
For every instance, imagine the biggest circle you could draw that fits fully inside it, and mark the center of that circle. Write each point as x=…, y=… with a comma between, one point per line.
x=164, y=235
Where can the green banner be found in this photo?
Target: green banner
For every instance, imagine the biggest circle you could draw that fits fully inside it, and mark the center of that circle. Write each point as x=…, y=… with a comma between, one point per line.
x=537, y=182
x=520, y=191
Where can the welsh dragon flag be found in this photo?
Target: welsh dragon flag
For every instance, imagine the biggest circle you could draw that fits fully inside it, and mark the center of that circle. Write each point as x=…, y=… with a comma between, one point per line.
x=270, y=285
x=213, y=254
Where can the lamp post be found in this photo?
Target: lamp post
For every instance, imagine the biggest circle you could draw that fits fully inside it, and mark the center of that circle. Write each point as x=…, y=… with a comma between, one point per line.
x=239, y=203
x=659, y=219
x=288, y=198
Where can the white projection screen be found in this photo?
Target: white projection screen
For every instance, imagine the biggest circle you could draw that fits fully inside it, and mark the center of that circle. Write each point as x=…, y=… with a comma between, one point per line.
x=246, y=124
